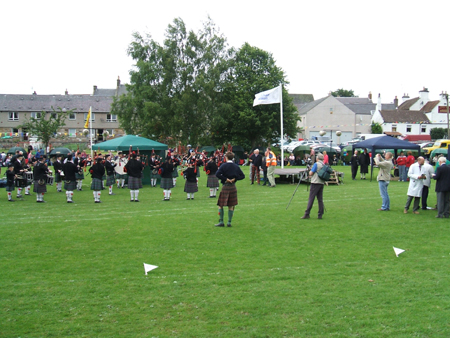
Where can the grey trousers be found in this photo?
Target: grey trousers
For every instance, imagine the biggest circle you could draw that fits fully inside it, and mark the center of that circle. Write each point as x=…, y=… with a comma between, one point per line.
x=416, y=203
x=315, y=190
x=443, y=203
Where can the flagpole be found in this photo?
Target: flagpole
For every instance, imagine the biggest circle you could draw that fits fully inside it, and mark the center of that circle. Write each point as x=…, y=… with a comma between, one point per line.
x=282, y=131
x=90, y=132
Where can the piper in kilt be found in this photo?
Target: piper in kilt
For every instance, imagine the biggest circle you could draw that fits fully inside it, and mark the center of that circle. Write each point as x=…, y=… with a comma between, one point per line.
x=10, y=175
x=228, y=174
x=190, y=175
x=40, y=172
x=175, y=163
x=154, y=164
x=120, y=173
x=213, y=181
x=18, y=171
x=134, y=170
x=166, y=170
x=70, y=181
x=97, y=171
x=57, y=168
x=79, y=175
x=109, y=173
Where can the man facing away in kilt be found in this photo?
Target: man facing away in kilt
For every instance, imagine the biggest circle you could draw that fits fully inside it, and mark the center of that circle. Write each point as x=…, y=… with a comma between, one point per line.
x=70, y=180
x=79, y=175
x=166, y=183
x=97, y=171
x=134, y=169
x=57, y=168
x=40, y=172
x=190, y=174
x=228, y=174
x=213, y=181
x=109, y=173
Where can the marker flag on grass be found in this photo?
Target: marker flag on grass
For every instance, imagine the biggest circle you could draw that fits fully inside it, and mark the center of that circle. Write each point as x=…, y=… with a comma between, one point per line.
x=398, y=251
x=148, y=267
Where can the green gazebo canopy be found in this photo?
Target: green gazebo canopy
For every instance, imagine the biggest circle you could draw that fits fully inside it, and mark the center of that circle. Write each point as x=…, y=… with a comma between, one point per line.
x=123, y=144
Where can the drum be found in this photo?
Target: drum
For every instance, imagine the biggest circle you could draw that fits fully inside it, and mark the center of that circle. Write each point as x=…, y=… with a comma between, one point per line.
x=21, y=182
x=50, y=180
x=29, y=175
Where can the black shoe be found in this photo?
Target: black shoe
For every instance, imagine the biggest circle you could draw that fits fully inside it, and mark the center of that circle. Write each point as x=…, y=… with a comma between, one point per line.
x=69, y=201
x=319, y=217
x=111, y=194
x=305, y=217
x=229, y=225
x=188, y=198
x=19, y=196
x=219, y=225
x=40, y=201
x=98, y=201
x=136, y=200
x=131, y=200
x=28, y=194
x=11, y=201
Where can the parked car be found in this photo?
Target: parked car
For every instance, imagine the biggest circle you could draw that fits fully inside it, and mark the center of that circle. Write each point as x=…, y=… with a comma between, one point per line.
x=436, y=145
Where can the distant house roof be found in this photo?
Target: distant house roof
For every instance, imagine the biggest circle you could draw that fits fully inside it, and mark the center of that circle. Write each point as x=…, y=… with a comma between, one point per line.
x=430, y=105
x=404, y=116
x=110, y=92
x=408, y=103
x=358, y=105
x=300, y=100
x=310, y=105
x=37, y=103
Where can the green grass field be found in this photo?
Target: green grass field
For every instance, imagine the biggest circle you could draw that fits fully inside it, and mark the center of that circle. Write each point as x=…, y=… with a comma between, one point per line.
x=76, y=270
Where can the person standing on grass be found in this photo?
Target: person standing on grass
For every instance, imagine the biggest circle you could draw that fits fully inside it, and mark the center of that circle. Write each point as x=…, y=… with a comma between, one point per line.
x=401, y=164
x=271, y=163
x=213, y=182
x=97, y=171
x=428, y=170
x=228, y=174
x=109, y=167
x=134, y=169
x=383, y=178
x=316, y=188
x=409, y=162
x=40, y=172
x=256, y=161
x=354, y=162
x=190, y=175
x=364, y=161
x=70, y=181
x=10, y=176
x=166, y=183
x=416, y=174
x=442, y=189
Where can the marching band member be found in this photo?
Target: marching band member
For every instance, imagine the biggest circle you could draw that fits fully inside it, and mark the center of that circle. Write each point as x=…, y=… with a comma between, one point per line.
x=176, y=163
x=79, y=175
x=19, y=171
x=10, y=175
x=154, y=164
x=190, y=174
x=120, y=173
x=166, y=170
x=40, y=172
x=109, y=173
x=57, y=167
x=213, y=181
x=28, y=168
x=70, y=181
x=97, y=171
x=134, y=169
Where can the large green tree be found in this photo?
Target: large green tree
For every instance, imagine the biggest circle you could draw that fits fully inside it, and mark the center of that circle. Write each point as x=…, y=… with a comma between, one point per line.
x=46, y=124
x=253, y=70
x=343, y=93
x=174, y=92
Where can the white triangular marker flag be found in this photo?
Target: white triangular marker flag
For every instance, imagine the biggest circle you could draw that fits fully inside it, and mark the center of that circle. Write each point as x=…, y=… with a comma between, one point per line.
x=398, y=251
x=148, y=267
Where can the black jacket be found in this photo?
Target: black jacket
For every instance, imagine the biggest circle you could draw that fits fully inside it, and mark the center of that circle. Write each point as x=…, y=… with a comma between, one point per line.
x=442, y=178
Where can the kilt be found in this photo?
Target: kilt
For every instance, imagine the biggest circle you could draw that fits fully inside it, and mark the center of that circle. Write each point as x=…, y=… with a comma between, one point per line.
x=175, y=172
x=190, y=187
x=120, y=177
x=10, y=188
x=71, y=186
x=58, y=177
x=166, y=183
x=213, y=182
x=110, y=180
x=78, y=176
x=37, y=188
x=228, y=196
x=134, y=183
x=152, y=175
x=96, y=184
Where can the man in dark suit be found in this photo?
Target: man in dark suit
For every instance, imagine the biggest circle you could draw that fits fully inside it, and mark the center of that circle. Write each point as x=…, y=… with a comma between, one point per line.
x=256, y=161
x=442, y=189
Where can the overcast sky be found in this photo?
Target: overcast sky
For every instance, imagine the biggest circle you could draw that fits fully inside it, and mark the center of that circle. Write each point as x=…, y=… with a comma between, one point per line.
x=388, y=47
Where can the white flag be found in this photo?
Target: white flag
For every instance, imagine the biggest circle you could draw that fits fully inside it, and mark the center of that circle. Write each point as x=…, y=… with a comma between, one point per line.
x=398, y=251
x=148, y=267
x=268, y=97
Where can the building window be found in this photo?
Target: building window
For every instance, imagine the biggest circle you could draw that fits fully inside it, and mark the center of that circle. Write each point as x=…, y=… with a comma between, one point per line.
x=111, y=118
x=110, y=132
x=394, y=127
x=72, y=116
x=92, y=116
x=13, y=116
x=54, y=116
x=72, y=132
x=423, y=129
x=408, y=128
x=36, y=116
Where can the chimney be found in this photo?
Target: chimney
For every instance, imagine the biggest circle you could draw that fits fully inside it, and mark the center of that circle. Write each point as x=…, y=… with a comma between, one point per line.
x=405, y=97
x=118, y=86
x=423, y=95
x=379, y=102
x=95, y=89
x=34, y=93
x=66, y=92
x=370, y=96
x=396, y=102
